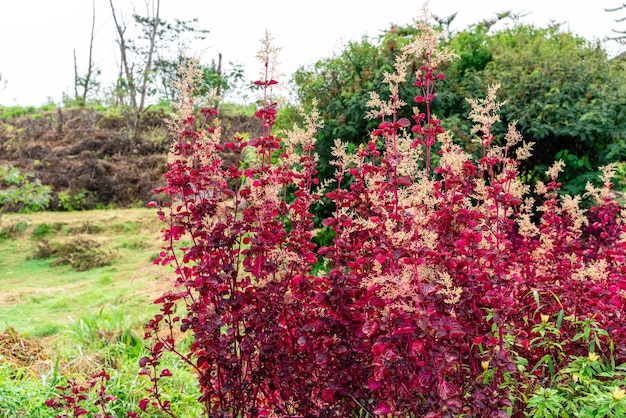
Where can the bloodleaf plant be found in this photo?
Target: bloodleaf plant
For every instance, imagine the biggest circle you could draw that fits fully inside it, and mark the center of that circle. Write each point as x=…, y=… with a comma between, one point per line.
x=239, y=239
x=427, y=246
x=73, y=397
x=429, y=298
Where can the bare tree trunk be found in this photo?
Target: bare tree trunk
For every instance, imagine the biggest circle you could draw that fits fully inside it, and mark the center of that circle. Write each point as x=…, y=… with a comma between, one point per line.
x=219, y=74
x=123, y=56
x=128, y=72
x=87, y=80
x=152, y=36
x=621, y=33
x=76, y=77
x=59, y=121
x=133, y=89
x=119, y=94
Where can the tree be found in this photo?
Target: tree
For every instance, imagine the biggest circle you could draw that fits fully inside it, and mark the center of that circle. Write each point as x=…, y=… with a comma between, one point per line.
x=561, y=90
x=87, y=82
x=137, y=82
x=621, y=34
x=341, y=86
x=563, y=93
x=149, y=62
x=21, y=191
x=171, y=54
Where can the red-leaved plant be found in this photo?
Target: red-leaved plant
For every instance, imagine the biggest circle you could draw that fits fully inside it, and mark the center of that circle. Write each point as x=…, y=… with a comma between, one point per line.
x=72, y=397
x=436, y=284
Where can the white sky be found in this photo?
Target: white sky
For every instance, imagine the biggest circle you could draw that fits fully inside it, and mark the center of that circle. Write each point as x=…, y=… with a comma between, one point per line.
x=38, y=37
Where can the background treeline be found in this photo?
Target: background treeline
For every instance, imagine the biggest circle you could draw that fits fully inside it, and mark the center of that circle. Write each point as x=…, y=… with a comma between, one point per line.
x=563, y=92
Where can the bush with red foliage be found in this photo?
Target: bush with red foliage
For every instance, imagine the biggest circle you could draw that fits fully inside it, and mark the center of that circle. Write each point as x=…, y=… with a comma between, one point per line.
x=73, y=395
x=434, y=296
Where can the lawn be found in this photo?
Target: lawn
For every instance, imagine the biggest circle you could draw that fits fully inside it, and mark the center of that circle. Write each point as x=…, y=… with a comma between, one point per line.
x=60, y=321
x=39, y=295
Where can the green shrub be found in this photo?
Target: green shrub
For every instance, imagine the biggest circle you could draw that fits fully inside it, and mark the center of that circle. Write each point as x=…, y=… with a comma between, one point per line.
x=71, y=201
x=13, y=229
x=587, y=387
x=41, y=230
x=21, y=191
x=20, y=395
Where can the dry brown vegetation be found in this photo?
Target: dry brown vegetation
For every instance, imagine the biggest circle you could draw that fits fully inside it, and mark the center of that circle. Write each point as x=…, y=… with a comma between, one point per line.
x=91, y=154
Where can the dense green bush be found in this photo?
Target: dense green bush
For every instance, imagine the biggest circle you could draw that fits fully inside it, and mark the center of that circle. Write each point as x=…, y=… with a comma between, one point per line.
x=563, y=92
x=22, y=191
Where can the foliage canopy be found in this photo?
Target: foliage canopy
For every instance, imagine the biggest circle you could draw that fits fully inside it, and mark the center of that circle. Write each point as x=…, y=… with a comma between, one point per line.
x=563, y=91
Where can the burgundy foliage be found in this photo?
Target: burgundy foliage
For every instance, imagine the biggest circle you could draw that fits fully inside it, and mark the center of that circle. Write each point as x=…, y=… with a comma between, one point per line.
x=73, y=396
x=428, y=294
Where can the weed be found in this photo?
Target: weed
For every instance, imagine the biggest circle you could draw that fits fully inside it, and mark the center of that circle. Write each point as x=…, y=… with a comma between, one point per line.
x=106, y=346
x=21, y=396
x=589, y=386
x=41, y=230
x=125, y=226
x=86, y=227
x=134, y=243
x=43, y=249
x=21, y=191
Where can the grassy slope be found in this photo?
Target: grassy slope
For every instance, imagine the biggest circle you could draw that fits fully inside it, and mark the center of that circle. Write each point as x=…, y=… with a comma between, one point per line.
x=38, y=298
x=85, y=321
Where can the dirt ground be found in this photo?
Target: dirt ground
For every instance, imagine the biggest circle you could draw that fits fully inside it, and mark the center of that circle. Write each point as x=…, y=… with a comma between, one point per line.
x=82, y=152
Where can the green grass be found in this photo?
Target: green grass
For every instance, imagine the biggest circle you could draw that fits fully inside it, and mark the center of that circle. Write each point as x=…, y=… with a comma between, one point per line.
x=21, y=395
x=85, y=320
x=38, y=296
x=110, y=340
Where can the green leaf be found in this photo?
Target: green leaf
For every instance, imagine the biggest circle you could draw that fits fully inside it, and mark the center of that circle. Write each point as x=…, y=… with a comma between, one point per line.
x=559, y=319
x=540, y=362
x=536, y=297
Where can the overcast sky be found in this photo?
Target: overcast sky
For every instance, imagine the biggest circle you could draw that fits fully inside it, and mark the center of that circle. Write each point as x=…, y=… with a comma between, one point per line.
x=38, y=37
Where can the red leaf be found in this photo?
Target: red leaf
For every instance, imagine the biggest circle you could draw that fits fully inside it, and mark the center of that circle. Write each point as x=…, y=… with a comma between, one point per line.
x=404, y=122
x=478, y=340
x=322, y=359
x=373, y=384
x=143, y=404
x=417, y=347
x=382, y=408
x=328, y=395
x=446, y=390
x=369, y=328
x=329, y=222
x=407, y=329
